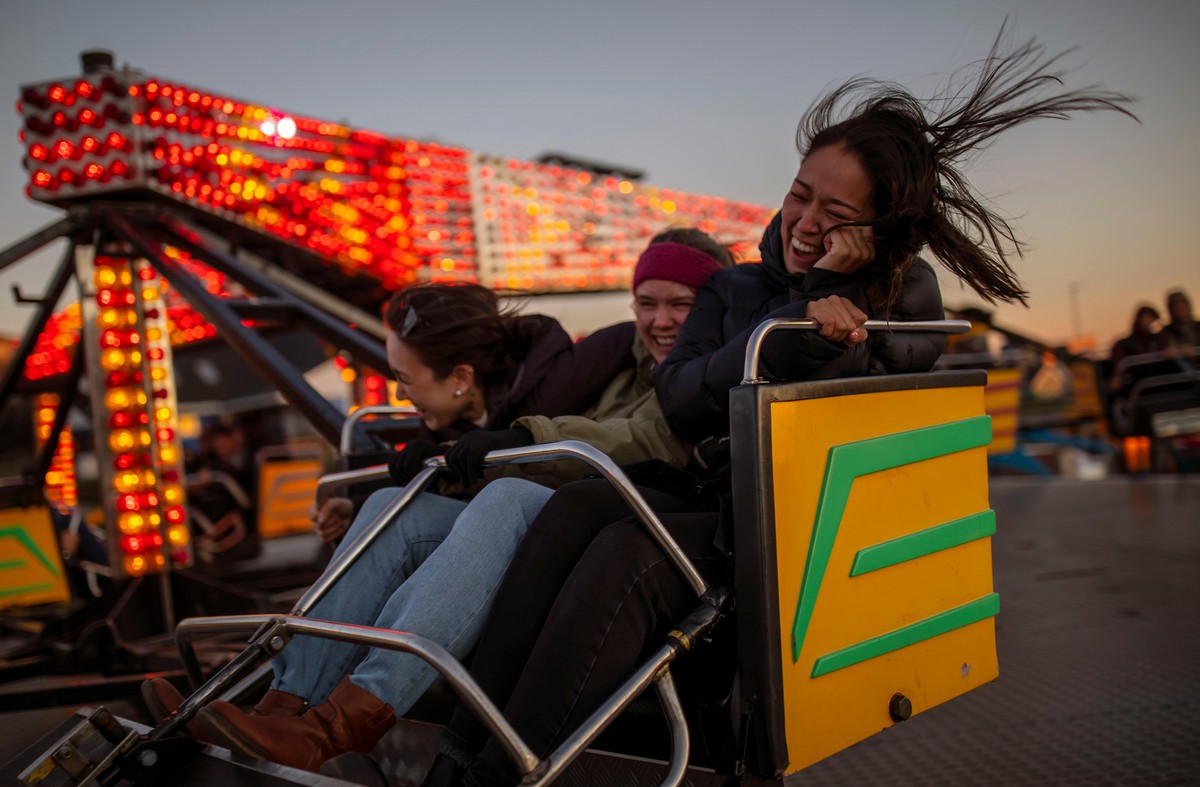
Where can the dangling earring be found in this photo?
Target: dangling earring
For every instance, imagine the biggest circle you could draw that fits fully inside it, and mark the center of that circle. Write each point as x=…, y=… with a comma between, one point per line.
x=457, y=393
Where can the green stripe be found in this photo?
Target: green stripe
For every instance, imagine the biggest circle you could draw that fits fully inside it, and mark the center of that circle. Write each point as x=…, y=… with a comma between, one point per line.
x=850, y=460
x=941, y=623
x=26, y=589
x=7, y=564
x=27, y=541
x=924, y=542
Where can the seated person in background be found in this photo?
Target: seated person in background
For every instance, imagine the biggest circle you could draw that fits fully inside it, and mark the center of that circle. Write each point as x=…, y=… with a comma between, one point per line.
x=434, y=571
x=223, y=493
x=1141, y=340
x=1182, y=333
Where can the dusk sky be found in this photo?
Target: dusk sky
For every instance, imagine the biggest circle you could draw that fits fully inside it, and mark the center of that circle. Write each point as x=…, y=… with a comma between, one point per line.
x=704, y=96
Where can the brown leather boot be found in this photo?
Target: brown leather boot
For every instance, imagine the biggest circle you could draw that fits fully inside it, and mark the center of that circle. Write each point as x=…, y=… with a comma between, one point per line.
x=352, y=719
x=280, y=703
x=162, y=699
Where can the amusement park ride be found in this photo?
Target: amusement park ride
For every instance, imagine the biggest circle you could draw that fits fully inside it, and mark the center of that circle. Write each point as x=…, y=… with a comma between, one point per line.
x=194, y=218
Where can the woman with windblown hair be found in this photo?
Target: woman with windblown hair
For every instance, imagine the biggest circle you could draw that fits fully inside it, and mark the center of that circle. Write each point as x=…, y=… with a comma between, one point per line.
x=590, y=592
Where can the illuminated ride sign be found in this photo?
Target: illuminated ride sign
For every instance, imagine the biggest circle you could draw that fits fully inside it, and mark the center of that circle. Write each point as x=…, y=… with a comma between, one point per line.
x=397, y=210
x=147, y=159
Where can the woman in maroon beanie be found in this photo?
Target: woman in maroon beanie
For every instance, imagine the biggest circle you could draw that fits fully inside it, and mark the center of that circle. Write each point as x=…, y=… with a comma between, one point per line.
x=435, y=570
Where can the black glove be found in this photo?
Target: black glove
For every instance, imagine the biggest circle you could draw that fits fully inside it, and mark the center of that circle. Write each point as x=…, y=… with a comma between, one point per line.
x=465, y=458
x=410, y=460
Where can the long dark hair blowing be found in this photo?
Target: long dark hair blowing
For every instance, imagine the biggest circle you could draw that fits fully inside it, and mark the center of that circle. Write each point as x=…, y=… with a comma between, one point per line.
x=912, y=151
x=452, y=324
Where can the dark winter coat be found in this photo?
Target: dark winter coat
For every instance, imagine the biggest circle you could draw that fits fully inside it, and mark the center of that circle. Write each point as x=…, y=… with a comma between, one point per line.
x=693, y=382
x=548, y=374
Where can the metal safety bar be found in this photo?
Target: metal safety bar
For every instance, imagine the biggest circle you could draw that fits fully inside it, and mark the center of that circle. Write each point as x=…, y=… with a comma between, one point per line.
x=563, y=449
x=342, y=563
x=271, y=631
x=754, y=344
x=653, y=670
x=330, y=481
x=347, y=441
x=271, y=626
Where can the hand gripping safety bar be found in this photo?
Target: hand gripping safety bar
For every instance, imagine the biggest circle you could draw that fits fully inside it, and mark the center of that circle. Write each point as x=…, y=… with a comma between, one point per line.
x=754, y=344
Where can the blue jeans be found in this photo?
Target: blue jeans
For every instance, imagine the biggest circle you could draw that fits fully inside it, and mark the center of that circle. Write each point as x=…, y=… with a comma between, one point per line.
x=433, y=571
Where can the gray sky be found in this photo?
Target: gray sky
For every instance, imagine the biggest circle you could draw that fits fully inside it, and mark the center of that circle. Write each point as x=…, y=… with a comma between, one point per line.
x=704, y=96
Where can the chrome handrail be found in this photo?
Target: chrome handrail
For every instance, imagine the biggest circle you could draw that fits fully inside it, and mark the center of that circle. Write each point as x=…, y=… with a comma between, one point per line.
x=426, y=649
x=754, y=344
x=563, y=449
x=331, y=481
x=269, y=627
x=347, y=439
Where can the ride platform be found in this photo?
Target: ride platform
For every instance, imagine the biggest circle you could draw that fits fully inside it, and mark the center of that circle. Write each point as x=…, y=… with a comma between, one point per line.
x=1098, y=631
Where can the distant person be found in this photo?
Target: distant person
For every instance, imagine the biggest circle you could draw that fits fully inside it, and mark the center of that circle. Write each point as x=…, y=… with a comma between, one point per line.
x=1182, y=332
x=1142, y=339
x=223, y=491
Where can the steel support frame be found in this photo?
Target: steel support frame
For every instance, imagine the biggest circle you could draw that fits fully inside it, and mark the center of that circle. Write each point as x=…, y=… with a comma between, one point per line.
x=58, y=283
x=363, y=347
x=264, y=358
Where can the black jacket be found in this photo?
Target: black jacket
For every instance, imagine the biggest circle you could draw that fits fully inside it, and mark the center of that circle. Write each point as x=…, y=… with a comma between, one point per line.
x=693, y=382
x=548, y=374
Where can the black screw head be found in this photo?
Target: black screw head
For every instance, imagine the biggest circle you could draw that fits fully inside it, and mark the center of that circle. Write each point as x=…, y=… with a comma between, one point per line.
x=899, y=707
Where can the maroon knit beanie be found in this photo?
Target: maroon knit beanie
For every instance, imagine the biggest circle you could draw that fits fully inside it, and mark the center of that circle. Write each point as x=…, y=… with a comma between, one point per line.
x=674, y=262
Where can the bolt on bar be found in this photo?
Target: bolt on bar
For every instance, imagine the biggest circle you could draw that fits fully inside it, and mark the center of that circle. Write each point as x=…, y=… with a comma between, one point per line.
x=754, y=344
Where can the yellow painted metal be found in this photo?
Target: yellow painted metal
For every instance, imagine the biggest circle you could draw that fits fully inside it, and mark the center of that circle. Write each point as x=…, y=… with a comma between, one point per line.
x=1002, y=401
x=828, y=713
x=285, y=491
x=1085, y=392
x=31, y=568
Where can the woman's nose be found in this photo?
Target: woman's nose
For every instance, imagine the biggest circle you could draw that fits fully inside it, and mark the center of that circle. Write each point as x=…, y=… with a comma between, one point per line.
x=808, y=222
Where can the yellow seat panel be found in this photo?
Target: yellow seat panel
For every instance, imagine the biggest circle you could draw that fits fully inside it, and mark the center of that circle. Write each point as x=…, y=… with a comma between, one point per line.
x=883, y=550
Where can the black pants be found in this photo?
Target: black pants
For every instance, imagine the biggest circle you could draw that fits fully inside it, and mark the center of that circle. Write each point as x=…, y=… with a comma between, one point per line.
x=589, y=594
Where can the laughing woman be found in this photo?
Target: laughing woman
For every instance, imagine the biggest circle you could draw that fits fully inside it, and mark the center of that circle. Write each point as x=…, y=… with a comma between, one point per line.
x=465, y=366
x=435, y=569
x=589, y=592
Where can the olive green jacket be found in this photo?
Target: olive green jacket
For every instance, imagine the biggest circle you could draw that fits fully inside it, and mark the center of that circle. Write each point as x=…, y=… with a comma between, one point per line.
x=626, y=423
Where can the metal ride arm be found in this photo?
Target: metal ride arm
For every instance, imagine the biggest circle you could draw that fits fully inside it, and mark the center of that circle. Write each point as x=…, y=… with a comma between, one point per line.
x=754, y=344
x=271, y=632
x=259, y=353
